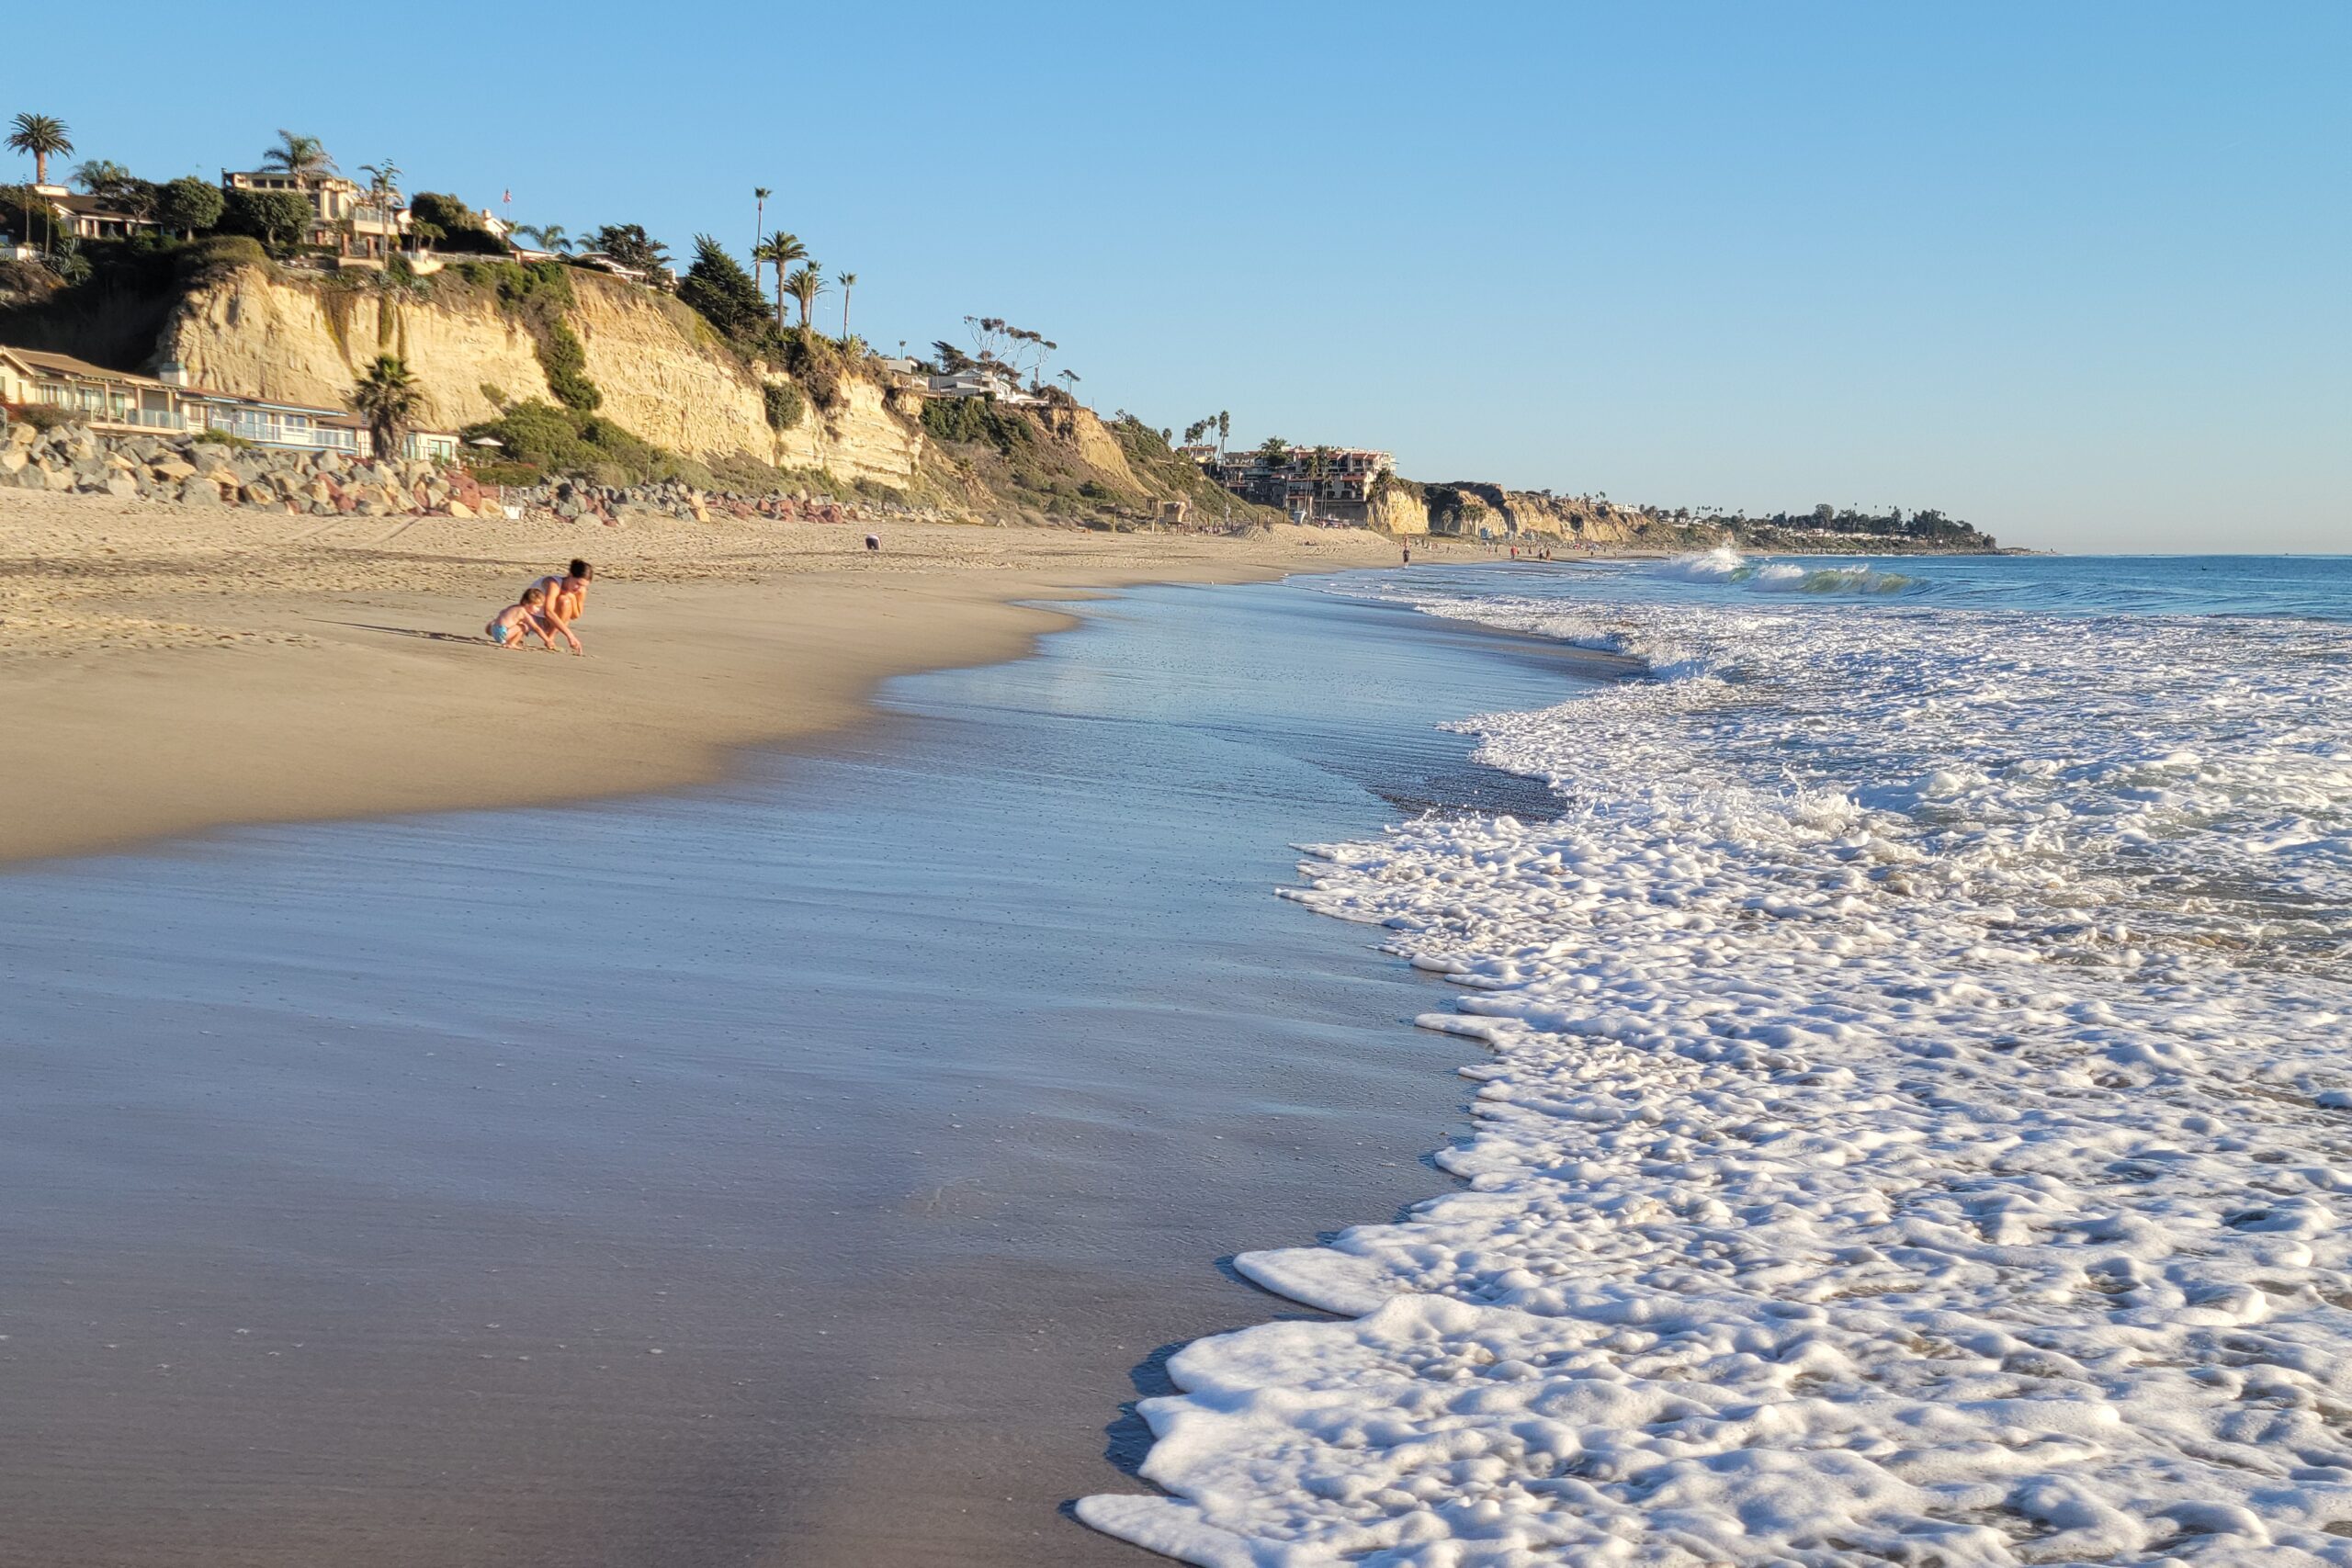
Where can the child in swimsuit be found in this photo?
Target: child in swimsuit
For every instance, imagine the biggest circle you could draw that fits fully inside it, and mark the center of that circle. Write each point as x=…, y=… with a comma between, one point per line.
x=507, y=627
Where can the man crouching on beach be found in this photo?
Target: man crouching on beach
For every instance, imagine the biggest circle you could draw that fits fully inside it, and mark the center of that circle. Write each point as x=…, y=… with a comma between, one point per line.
x=528, y=613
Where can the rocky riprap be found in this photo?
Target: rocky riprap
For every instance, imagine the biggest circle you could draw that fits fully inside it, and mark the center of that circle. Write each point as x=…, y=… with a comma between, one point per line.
x=187, y=470
x=73, y=459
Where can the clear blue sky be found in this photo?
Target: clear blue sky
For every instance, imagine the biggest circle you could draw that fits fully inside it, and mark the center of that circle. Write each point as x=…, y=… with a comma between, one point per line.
x=2078, y=273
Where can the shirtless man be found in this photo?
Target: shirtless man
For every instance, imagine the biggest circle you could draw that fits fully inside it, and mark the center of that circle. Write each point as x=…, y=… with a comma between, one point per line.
x=567, y=599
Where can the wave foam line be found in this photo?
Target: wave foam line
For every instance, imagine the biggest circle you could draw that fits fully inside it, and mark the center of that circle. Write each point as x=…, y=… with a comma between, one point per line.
x=1913, y=1130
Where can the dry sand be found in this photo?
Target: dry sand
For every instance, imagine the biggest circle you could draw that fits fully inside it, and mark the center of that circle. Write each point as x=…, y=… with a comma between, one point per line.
x=164, y=670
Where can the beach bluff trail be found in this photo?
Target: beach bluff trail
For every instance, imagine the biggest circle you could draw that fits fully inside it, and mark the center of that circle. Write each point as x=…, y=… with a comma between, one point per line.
x=167, y=671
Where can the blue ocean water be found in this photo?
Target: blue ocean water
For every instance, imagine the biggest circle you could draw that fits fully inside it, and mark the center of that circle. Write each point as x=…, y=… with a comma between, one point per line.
x=1912, y=1062
x=2314, y=587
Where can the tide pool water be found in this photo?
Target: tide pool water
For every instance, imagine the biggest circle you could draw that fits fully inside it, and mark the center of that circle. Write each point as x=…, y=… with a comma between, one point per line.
x=1913, y=1120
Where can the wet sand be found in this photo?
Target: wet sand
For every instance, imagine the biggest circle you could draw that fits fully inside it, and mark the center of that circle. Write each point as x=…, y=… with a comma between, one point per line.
x=801, y=1169
x=164, y=670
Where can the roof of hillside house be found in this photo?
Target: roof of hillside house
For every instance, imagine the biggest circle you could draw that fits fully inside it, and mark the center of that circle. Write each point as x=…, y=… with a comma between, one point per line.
x=66, y=365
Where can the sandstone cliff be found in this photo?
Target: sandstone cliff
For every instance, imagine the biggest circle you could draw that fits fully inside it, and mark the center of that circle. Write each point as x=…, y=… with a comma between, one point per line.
x=661, y=369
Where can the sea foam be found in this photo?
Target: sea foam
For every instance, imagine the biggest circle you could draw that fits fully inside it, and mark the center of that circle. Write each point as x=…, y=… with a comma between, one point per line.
x=1913, y=1124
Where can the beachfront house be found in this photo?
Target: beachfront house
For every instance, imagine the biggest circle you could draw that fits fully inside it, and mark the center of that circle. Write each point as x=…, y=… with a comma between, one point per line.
x=1332, y=484
x=105, y=400
x=346, y=215
x=122, y=402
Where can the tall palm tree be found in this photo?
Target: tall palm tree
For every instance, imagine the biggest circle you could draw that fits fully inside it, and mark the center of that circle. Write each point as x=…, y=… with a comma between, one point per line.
x=383, y=189
x=39, y=137
x=389, y=398
x=848, y=280
x=780, y=250
x=298, y=155
x=804, y=284
x=759, y=194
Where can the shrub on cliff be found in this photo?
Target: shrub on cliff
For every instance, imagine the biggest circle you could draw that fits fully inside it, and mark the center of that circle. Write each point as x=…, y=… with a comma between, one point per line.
x=572, y=441
x=974, y=422
x=218, y=255
x=565, y=361
x=718, y=287
x=459, y=227
x=783, y=404
x=279, y=218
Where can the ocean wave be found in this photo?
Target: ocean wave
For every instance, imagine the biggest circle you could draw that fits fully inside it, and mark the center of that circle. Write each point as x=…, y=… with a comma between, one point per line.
x=1911, y=1124
x=1726, y=565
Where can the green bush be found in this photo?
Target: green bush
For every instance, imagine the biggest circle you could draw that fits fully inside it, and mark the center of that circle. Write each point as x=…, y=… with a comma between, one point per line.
x=565, y=361
x=499, y=471
x=279, y=218
x=974, y=422
x=223, y=438
x=219, y=254
x=459, y=227
x=784, y=404
x=572, y=441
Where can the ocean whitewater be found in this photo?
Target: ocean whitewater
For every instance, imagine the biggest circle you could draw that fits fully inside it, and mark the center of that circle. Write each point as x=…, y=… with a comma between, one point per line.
x=1916, y=1110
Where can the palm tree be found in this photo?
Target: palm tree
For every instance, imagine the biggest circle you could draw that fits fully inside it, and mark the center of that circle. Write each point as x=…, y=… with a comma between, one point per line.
x=759, y=194
x=383, y=188
x=1224, y=429
x=298, y=155
x=848, y=280
x=804, y=284
x=101, y=177
x=780, y=250
x=547, y=236
x=389, y=398
x=37, y=137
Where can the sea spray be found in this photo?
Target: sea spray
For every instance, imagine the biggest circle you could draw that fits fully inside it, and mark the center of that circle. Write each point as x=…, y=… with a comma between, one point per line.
x=1912, y=1123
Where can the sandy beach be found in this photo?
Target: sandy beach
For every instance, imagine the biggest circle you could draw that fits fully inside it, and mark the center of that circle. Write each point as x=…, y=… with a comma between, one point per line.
x=167, y=671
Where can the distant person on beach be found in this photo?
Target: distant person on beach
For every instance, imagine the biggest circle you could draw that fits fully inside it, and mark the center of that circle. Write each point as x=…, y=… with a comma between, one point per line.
x=874, y=542
x=1408, y=555
x=507, y=627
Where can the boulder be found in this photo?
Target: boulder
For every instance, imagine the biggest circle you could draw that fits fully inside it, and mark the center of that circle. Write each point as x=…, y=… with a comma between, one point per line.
x=122, y=487
x=460, y=509
x=200, y=492
x=172, y=468
x=258, y=492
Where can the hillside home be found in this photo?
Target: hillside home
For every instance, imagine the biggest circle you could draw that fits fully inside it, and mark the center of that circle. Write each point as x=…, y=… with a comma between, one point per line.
x=986, y=381
x=346, y=215
x=1339, y=492
x=89, y=216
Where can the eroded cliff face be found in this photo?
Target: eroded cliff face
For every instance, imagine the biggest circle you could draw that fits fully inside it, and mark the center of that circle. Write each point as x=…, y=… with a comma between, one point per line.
x=661, y=369
x=1463, y=508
